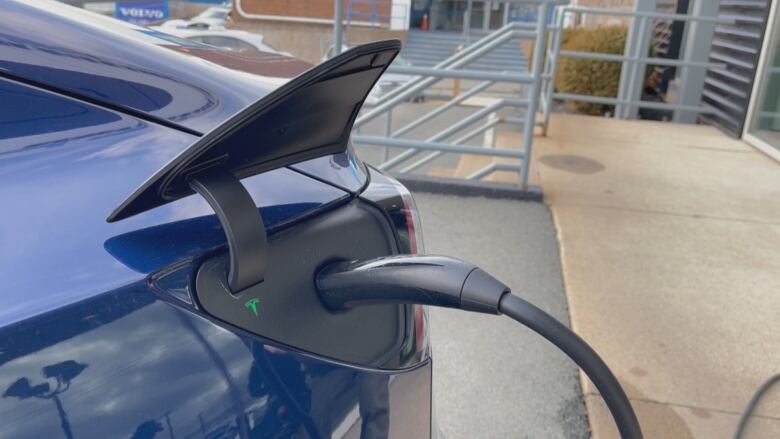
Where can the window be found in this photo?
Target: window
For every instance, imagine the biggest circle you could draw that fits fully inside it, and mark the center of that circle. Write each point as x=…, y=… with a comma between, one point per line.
x=763, y=123
x=224, y=42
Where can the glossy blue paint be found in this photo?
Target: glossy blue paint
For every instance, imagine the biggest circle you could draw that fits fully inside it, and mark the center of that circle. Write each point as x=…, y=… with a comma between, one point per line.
x=64, y=165
x=184, y=83
x=99, y=334
x=130, y=363
x=342, y=170
x=128, y=66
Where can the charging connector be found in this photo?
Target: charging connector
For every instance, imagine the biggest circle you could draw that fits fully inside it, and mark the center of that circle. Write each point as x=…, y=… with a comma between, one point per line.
x=425, y=280
x=448, y=282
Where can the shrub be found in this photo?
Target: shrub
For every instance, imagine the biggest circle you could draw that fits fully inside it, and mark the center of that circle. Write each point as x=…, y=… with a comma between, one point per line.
x=587, y=77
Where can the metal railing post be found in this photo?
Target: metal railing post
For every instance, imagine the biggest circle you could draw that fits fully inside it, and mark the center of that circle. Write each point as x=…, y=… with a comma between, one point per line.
x=628, y=72
x=388, y=132
x=338, y=26
x=533, y=97
x=491, y=135
x=696, y=47
x=553, y=71
x=637, y=82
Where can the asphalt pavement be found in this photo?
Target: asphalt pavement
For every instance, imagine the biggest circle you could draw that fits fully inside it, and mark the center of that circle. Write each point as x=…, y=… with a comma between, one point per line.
x=492, y=377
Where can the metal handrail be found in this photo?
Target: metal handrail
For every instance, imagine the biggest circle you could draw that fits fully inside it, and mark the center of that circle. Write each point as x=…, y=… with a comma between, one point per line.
x=456, y=60
x=490, y=124
x=539, y=83
x=465, y=122
x=632, y=61
x=654, y=15
x=644, y=104
x=452, y=103
x=440, y=146
x=464, y=74
x=455, y=67
x=642, y=59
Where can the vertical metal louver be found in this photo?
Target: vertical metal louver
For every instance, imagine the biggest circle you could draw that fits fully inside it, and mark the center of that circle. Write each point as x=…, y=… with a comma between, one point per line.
x=727, y=90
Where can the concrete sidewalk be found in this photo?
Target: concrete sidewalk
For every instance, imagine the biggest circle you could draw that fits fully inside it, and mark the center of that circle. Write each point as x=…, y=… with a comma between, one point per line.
x=670, y=242
x=670, y=245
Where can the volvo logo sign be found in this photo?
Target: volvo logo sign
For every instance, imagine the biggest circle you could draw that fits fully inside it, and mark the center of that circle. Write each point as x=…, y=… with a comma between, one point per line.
x=142, y=13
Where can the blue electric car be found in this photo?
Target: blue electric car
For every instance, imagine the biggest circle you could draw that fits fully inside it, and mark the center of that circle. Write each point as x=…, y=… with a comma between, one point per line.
x=129, y=309
x=191, y=249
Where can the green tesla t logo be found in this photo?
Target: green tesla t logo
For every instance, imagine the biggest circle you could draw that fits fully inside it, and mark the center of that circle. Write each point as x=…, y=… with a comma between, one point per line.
x=252, y=305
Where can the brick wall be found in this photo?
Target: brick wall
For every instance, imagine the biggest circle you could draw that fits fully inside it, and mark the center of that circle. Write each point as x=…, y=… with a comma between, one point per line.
x=287, y=8
x=316, y=8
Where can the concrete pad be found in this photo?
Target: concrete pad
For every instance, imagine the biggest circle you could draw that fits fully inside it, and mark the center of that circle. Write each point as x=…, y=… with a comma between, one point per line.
x=494, y=378
x=670, y=240
x=442, y=172
x=593, y=130
x=682, y=309
x=679, y=422
x=480, y=101
x=666, y=178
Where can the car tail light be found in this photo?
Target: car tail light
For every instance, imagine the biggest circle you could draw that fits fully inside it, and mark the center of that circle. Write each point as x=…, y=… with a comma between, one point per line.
x=397, y=202
x=412, y=235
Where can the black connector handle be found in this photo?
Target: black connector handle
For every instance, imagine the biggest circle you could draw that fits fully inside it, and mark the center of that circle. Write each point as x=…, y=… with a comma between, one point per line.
x=452, y=283
x=427, y=280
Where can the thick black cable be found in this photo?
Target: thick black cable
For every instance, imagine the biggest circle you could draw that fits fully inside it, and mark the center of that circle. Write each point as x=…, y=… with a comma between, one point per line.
x=452, y=283
x=743, y=420
x=582, y=354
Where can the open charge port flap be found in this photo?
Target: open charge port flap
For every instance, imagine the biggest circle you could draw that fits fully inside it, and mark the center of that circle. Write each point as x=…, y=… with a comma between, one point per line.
x=285, y=307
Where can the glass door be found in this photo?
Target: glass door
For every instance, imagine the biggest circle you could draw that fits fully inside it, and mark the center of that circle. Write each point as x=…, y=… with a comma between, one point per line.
x=762, y=128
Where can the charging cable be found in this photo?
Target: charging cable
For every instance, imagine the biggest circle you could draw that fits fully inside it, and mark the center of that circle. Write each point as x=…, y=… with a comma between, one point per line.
x=452, y=283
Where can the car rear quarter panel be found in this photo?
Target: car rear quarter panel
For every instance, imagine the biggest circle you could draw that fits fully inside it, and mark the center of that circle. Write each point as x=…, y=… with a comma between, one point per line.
x=91, y=345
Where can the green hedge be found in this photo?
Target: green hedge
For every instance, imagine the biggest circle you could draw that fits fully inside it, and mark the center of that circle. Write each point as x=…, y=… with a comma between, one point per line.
x=587, y=77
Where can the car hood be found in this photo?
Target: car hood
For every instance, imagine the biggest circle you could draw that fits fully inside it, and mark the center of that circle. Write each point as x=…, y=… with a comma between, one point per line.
x=185, y=84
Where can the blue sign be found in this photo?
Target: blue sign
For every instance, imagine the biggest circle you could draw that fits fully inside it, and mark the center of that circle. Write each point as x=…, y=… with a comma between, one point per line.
x=142, y=13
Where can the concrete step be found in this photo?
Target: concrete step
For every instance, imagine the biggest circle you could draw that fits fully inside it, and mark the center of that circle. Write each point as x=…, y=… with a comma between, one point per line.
x=436, y=35
x=426, y=49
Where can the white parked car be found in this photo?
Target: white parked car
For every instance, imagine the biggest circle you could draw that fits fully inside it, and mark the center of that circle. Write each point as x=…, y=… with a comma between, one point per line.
x=229, y=39
x=213, y=17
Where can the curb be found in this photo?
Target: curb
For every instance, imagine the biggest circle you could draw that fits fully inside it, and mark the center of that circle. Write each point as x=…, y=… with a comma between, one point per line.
x=468, y=188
